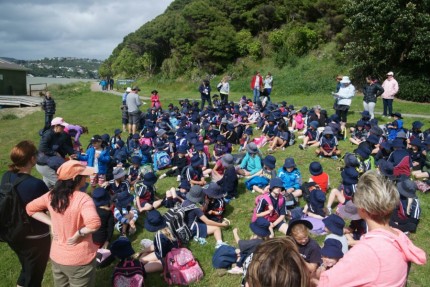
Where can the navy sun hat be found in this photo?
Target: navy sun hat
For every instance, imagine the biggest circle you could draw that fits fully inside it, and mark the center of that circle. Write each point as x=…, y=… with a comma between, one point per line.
x=397, y=143
x=123, y=199
x=373, y=139
x=386, y=146
x=136, y=136
x=105, y=138
x=416, y=142
x=160, y=145
x=276, y=182
x=227, y=160
x=327, y=131
x=376, y=131
x=363, y=152
x=365, y=114
x=122, y=248
x=118, y=173
x=407, y=188
x=96, y=138
x=149, y=179
x=195, y=194
x=386, y=168
x=397, y=114
x=185, y=185
x=315, y=168
x=213, y=190
x=101, y=197
x=360, y=123
x=289, y=162
x=260, y=227
x=120, y=143
x=196, y=160
x=117, y=132
x=220, y=138
x=349, y=176
x=401, y=135
x=154, y=221
x=269, y=161
x=335, y=224
x=417, y=125
x=332, y=248
x=135, y=159
x=293, y=223
x=182, y=149
x=199, y=146
x=314, y=124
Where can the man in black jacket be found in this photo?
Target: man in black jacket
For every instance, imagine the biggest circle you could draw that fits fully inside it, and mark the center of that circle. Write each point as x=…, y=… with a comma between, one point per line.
x=48, y=105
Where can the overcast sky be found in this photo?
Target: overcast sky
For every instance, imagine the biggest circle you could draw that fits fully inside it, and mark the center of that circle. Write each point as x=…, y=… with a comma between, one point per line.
x=34, y=29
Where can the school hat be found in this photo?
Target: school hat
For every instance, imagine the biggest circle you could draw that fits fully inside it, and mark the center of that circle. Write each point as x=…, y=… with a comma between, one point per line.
x=294, y=222
x=416, y=142
x=397, y=143
x=220, y=138
x=58, y=122
x=260, y=227
x=327, y=131
x=196, y=160
x=117, y=132
x=350, y=160
x=289, y=162
x=332, y=248
x=304, y=110
x=72, y=168
x=182, y=149
x=199, y=146
x=149, y=179
x=269, y=161
x=161, y=132
x=195, y=194
x=276, y=182
x=122, y=248
x=407, y=188
x=154, y=221
x=365, y=114
x=118, y=173
x=386, y=146
x=363, y=152
x=251, y=148
x=213, y=190
x=376, y=131
x=128, y=90
x=185, y=185
x=315, y=168
x=360, y=123
x=145, y=148
x=401, y=135
x=314, y=124
x=349, y=175
x=348, y=211
x=373, y=139
x=160, y=145
x=136, y=136
x=96, y=138
x=123, y=199
x=101, y=197
x=335, y=224
x=417, y=125
x=227, y=160
x=135, y=159
x=120, y=143
x=386, y=168
x=397, y=114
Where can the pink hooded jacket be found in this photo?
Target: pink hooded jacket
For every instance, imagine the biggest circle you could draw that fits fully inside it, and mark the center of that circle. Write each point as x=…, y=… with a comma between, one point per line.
x=379, y=259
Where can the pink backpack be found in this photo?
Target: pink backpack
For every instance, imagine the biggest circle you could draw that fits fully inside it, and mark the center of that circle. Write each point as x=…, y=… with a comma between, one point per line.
x=181, y=268
x=147, y=141
x=128, y=273
x=274, y=214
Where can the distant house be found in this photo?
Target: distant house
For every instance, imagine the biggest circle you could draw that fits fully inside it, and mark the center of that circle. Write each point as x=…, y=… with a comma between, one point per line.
x=13, y=78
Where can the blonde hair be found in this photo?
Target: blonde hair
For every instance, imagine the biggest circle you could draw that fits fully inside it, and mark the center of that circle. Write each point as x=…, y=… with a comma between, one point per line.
x=377, y=196
x=168, y=233
x=299, y=229
x=277, y=262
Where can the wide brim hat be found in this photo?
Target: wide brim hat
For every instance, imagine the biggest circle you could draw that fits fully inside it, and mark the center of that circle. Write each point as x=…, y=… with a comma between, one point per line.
x=128, y=90
x=135, y=160
x=417, y=124
x=314, y=124
x=276, y=182
x=373, y=139
x=345, y=80
x=269, y=161
x=348, y=211
x=195, y=194
x=154, y=221
x=185, y=185
x=401, y=135
x=398, y=143
x=363, y=152
x=149, y=178
x=213, y=190
x=349, y=175
x=289, y=163
x=196, y=160
x=160, y=145
x=252, y=148
x=101, y=196
x=96, y=138
x=220, y=138
x=122, y=248
x=335, y=224
x=365, y=114
x=386, y=168
x=117, y=132
x=199, y=146
x=327, y=131
x=315, y=168
x=136, y=136
x=293, y=223
x=118, y=173
x=416, y=142
x=376, y=131
x=124, y=199
x=182, y=149
x=332, y=248
x=260, y=227
x=407, y=188
x=135, y=88
x=227, y=160
x=72, y=168
x=397, y=114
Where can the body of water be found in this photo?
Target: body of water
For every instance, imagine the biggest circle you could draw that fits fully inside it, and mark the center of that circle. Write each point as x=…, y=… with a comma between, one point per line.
x=38, y=83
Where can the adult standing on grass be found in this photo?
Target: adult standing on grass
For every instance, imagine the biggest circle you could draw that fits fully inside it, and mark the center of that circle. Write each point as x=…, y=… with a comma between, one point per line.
x=224, y=90
x=48, y=105
x=391, y=88
x=371, y=91
x=268, y=85
x=205, y=93
x=73, y=218
x=32, y=248
x=133, y=103
x=256, y=85
x=383, y=255
x=344, y=98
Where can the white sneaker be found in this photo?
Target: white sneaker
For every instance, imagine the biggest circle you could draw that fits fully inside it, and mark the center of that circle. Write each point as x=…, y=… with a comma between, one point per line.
x=218, y=245
x=178, y=178
x=236, y=270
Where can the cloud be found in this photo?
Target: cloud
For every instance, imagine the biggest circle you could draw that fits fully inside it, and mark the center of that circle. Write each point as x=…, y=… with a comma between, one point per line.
x=87, y=29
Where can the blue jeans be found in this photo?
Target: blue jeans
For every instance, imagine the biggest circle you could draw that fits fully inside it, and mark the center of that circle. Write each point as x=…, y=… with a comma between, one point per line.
x=388, y=106
x=256, y=92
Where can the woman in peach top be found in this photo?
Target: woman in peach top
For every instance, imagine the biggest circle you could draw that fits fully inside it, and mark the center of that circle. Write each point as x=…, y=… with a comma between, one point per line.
x=72, y=217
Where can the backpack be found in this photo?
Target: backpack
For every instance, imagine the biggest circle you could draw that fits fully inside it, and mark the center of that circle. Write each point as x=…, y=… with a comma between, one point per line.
x=128, y=273
x=274, y=214
x=163, y=160
x=139, y=188
x=292, y=139
x=175, y=219
x=224, y=257
x=147, y=141
x=181, y=268
x=14, y=220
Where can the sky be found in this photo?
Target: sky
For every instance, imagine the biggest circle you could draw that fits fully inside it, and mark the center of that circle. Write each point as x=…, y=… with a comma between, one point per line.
x=35, y=29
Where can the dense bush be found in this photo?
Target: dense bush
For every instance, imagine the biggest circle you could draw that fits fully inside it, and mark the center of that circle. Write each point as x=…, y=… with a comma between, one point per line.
x=414, y=88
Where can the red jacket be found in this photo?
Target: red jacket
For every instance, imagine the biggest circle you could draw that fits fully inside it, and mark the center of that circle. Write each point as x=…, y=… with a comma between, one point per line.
x=253, y=81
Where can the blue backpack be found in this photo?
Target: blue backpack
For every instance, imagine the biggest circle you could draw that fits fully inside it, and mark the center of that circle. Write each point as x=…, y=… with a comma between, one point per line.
x=224, y=257
x=163, y=160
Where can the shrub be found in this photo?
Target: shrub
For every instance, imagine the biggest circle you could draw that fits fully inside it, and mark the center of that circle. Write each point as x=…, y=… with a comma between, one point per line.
x=9, y=117
x=414, y=88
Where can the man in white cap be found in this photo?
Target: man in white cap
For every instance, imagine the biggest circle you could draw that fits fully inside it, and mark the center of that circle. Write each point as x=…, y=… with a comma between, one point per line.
x=391, y=88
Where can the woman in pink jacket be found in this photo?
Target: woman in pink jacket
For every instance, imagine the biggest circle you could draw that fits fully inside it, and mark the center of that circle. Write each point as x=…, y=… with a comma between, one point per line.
x=72, y=217
x=382, y=255
x=391, y=88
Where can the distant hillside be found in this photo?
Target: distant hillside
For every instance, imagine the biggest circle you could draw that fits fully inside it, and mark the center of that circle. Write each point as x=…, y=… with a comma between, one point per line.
x=66, y=67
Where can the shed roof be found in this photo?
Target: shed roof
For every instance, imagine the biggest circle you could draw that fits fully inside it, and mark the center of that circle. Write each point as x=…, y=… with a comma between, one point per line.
x=5, y=65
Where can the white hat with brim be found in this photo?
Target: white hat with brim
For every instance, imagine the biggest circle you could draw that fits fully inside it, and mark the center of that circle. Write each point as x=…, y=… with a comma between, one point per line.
x=345, y=80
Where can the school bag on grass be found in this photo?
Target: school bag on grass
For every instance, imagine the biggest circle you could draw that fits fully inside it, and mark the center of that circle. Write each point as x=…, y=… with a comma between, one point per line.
x=181, y=268
x=163, y=160
x=272, y=216
x=175, y=219
x=14, y=221
x=128, y=273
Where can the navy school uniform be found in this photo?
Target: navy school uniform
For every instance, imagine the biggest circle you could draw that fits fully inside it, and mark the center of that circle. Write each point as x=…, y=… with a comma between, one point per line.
x=163, y=245
x=311, y=252
x=197, y=227
x=217, y=205
x=263, y=205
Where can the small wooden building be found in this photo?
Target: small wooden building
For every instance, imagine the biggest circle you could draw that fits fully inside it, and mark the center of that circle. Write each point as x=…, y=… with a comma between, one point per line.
x=13, y=79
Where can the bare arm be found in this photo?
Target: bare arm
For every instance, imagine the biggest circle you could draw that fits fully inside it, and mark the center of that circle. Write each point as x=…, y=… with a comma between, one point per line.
x=42, y=217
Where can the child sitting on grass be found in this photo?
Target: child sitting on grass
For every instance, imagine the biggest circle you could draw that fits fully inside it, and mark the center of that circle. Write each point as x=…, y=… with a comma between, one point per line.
x=328, y=145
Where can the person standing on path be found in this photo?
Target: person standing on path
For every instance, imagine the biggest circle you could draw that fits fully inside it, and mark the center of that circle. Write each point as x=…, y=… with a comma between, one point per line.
x=391, y=88
x=256, y=85
x=371, y=91
x=48, y=105
x=133, y=103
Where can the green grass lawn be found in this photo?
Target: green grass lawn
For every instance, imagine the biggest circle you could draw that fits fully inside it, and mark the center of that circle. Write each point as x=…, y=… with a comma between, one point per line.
x=100, y=112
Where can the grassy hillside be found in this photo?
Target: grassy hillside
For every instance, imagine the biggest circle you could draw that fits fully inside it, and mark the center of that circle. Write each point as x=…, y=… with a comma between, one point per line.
x=308, y=83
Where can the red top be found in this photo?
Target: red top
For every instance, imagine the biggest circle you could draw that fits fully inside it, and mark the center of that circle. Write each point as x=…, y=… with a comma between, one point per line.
x=322, y=180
